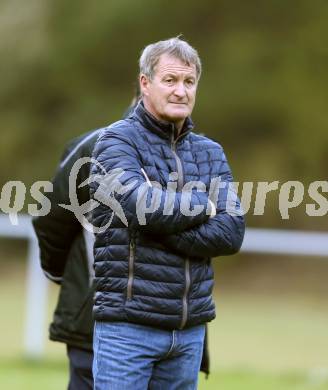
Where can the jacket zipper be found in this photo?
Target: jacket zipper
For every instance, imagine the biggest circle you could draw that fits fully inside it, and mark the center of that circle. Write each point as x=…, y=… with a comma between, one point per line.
x=132, y=248
x=185, y=294
x=178, y=162
x=186, y=262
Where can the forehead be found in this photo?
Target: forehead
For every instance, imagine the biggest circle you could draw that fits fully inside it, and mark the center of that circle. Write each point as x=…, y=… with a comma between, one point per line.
x=169, y=64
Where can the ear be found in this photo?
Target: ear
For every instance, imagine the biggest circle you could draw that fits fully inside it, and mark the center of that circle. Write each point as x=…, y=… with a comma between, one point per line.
x=144, y=84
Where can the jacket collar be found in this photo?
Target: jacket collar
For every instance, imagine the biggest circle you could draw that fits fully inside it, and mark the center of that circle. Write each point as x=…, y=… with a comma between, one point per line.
x=163, y=129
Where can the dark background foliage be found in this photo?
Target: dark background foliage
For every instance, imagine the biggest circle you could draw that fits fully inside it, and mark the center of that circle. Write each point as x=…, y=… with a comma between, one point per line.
x=69, y=66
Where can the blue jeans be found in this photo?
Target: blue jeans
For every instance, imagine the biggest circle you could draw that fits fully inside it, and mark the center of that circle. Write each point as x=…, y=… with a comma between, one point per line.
x=136, y=357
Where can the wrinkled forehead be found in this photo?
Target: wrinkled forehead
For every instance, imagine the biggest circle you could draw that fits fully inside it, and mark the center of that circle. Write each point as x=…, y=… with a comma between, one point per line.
x=168, y=64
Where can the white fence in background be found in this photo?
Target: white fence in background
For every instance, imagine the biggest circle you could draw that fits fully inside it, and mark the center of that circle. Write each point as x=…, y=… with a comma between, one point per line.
x=256, y=240
x=36, y=285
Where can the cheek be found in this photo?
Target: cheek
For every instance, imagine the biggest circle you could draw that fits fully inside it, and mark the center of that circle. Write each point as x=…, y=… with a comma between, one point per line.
x=164, y=100
x=192, y=97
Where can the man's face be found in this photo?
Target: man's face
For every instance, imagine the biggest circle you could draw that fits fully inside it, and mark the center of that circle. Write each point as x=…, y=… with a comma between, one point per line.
x=170, y=96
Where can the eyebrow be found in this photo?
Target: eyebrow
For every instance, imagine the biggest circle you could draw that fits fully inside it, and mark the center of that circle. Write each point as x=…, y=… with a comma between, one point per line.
x=175, y=75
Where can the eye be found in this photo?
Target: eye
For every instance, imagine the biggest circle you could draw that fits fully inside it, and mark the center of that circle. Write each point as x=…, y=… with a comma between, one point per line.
x=168, y=80
x=190, y=82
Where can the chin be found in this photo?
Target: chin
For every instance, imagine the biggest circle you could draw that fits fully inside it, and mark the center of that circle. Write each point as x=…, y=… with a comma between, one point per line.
x=178, y=115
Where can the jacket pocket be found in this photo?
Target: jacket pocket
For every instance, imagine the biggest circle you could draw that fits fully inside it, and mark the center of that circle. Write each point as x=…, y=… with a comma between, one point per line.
x=132, y=253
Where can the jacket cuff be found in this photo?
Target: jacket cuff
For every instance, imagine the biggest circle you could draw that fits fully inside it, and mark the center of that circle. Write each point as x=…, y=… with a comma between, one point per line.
x=55, y=279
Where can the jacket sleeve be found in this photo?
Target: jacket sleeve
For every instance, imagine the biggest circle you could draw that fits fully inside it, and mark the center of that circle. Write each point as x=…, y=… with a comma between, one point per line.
x=115, y=151
x=57, y=230
x=221, y=235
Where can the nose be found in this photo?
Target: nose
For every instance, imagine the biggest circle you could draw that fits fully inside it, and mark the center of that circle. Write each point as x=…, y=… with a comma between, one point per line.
x=180, y=90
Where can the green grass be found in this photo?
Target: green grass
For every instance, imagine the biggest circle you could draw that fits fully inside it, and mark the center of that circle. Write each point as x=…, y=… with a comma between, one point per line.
x=52, y=375
x=257, y=342
x=25, y=375
x=269, y=333
x=249, y=380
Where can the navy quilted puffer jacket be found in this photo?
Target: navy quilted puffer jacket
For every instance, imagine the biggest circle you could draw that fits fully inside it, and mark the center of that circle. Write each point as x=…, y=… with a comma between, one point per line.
x=158, y=271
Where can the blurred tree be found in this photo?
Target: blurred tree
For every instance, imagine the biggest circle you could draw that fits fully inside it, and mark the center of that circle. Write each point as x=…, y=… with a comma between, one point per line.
x=69, y=66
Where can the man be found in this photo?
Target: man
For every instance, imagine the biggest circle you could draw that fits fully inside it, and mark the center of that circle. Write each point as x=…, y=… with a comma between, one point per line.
x=157, y=229
x=66, y=254
x=67, y=259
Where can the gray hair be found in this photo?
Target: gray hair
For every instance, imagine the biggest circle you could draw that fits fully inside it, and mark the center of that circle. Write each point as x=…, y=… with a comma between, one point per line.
x=174, y=47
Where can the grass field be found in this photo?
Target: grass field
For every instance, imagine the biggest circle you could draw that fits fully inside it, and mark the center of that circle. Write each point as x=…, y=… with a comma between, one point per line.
x=52, y=375
x=257, y=342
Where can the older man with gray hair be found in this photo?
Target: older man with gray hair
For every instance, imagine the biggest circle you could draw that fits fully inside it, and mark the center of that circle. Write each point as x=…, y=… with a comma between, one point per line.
x=154, y=278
